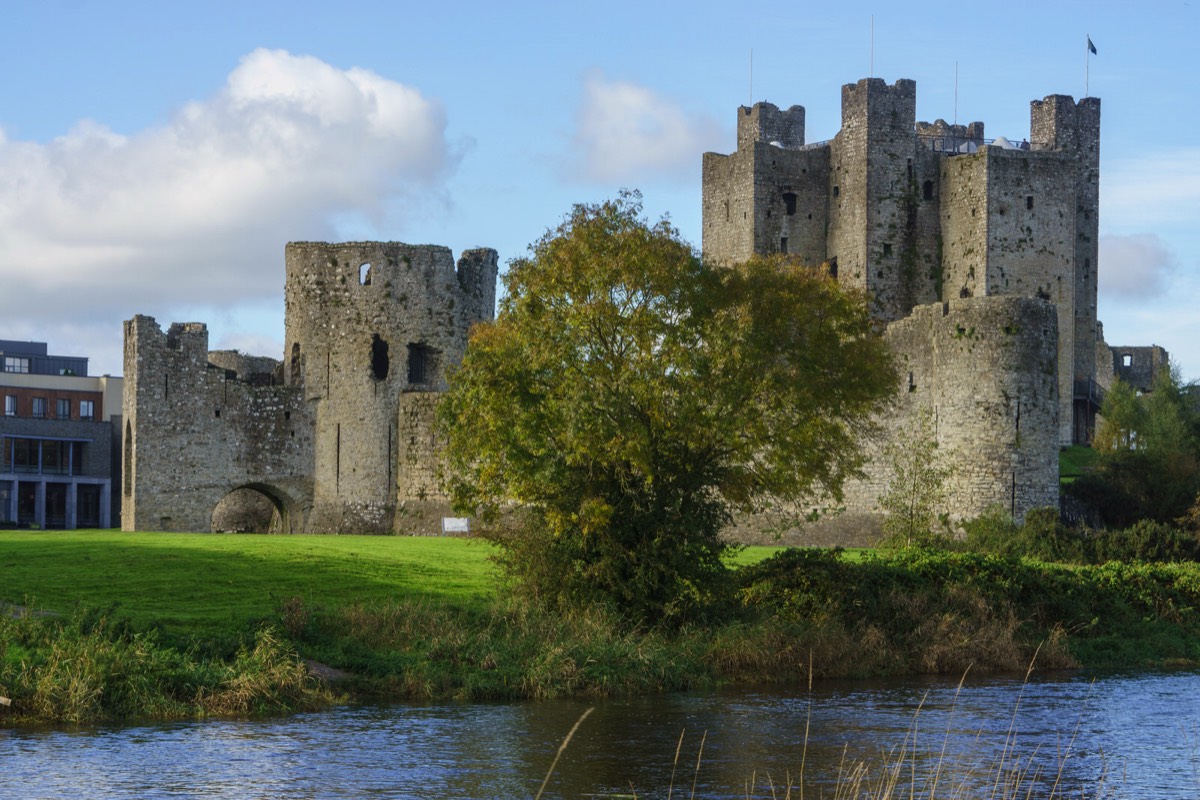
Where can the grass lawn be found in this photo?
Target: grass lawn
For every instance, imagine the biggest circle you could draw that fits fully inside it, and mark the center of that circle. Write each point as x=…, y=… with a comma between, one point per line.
x=1074, y=461
x=207, y=583
x=200, y=583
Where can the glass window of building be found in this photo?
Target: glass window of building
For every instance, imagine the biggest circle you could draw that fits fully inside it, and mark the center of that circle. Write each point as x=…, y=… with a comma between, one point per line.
x=10, y=405
x=63, y=408
x=87, y=409
x=39, y=407
x=16, y=364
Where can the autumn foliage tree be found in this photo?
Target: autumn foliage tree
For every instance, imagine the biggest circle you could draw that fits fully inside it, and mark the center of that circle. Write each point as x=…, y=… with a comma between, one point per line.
x=630, y=397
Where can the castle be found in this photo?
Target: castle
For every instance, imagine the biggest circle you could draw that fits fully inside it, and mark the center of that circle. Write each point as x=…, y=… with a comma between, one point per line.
x=338, y=438
x=979, y=258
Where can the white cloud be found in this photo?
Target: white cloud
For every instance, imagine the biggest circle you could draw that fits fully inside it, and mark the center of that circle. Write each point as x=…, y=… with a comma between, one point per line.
x=626, y=132
x=1152, y=190
x=252, y=343
x=1137, y=267
x=96, y=226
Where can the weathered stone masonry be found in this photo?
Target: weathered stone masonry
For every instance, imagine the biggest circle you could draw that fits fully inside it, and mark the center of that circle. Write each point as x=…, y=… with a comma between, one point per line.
x=979, y=257
x=338, y=436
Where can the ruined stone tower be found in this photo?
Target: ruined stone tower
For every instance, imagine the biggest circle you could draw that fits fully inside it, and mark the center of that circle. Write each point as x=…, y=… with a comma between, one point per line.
x=338, y=437
x=370, y=331
x=920, y=213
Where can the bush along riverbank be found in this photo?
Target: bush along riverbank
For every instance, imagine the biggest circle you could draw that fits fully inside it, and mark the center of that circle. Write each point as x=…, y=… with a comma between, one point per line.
x=911, y=611
x=91, y=667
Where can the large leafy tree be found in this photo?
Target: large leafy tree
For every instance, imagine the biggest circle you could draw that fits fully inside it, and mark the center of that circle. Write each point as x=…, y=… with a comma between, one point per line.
x=629, y=398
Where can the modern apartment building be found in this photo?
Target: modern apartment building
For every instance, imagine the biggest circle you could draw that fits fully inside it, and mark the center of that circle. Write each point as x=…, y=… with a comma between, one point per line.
x=60, y=436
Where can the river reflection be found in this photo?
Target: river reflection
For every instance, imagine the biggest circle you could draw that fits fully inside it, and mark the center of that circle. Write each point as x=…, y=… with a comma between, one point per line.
x=1121, y=736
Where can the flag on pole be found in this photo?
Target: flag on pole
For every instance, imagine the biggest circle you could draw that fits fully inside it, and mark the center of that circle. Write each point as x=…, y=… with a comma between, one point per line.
x=1091, y=47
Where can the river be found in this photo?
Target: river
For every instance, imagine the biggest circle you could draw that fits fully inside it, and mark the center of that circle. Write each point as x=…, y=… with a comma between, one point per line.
x=1129, y=736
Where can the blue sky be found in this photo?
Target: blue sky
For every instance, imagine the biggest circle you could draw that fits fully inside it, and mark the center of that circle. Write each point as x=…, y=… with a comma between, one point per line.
x=156, y=157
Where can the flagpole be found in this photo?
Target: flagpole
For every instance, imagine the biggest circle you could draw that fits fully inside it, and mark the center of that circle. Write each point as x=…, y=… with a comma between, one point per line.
x=872, y=46
x=1087, y=65
x=752, y=77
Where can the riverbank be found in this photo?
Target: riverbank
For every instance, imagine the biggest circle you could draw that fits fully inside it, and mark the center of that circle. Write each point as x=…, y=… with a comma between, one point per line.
x=173, y=626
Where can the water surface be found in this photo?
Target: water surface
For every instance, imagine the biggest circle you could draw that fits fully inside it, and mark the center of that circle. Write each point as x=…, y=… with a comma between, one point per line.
x=1121, y=736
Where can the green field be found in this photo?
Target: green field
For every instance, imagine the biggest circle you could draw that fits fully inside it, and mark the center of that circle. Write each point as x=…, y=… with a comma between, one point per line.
x=205, y=584
x=198, y=583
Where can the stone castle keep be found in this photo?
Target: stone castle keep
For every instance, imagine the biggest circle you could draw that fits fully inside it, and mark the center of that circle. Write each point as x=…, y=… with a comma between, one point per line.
x=979, y=258
x=338, y=437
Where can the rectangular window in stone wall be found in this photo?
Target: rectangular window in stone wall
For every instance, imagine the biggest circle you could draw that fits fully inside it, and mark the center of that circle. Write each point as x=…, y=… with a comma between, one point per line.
x=418, y=364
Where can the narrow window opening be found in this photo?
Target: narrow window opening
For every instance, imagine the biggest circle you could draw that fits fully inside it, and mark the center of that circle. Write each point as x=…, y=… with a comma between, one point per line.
x=789, y=203
x=927, y=190
x=1029, y=202
x=1126, y=360
x=127, y=482
x=420, y=364
x=727, y=211
x=910, y=171
x=833, y=267
x=364, y=275
x=783, y=244
x=837, y=190
x=217, y=413
x=379, y=358
x=887, y=248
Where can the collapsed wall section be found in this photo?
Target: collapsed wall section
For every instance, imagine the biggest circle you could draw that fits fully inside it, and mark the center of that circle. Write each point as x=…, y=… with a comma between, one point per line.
x=194, y=432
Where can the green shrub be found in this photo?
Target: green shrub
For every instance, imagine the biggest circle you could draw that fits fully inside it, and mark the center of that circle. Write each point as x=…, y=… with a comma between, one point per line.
x=1146, y=541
